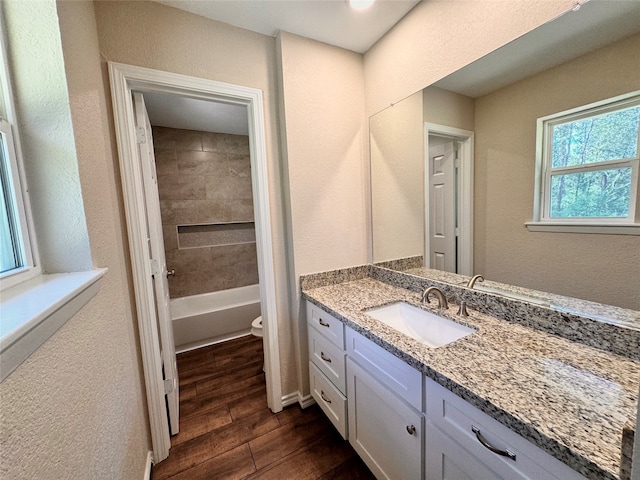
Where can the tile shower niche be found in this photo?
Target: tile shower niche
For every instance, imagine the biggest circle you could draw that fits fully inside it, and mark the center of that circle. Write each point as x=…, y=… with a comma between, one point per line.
x=213, y=257
x=215, y=235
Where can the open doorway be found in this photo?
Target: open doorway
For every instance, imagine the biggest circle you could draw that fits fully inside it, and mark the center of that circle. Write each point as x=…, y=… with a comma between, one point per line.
x=125, y=81
x=203, y=168
x=449, y=199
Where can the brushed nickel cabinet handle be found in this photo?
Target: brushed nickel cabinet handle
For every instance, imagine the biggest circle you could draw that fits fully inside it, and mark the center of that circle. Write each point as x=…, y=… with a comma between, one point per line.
x=485, y=443
x=326, y=359
x=171, y=273
x=411, y=429
x=324, y=324
x=323, y=397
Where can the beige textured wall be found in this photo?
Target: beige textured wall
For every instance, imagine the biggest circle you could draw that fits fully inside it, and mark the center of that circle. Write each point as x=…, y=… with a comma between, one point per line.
x=50, y=164
x=438, y=37
x=397, y=180
x=156, y=36
x=322, y=90
x=602, y=268
x=76, y=407
x=397, y=167
x=206, y=203
x=450, y=109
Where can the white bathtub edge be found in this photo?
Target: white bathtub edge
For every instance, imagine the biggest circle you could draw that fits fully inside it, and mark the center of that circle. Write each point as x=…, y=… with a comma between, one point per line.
x=211, y=341
x=183, y=307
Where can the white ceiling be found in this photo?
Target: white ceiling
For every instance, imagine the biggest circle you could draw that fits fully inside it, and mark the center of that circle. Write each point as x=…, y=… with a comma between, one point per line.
x=597, y=23
x=328, y=21
x=174, y=111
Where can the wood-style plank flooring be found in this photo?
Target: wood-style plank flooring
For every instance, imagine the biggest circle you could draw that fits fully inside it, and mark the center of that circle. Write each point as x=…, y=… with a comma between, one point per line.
x=227, y=431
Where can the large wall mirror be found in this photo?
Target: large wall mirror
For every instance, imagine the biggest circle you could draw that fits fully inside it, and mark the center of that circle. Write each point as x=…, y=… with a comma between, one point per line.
x=456, y=161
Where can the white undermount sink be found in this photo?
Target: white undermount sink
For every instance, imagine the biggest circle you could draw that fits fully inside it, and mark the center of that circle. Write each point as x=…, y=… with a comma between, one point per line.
x=422, y=325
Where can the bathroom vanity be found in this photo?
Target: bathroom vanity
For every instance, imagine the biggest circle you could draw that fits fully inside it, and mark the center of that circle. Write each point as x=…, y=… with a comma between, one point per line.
x=507, y=401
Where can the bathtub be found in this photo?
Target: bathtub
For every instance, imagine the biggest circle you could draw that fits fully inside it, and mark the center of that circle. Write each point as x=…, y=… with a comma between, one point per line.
x=208, y=318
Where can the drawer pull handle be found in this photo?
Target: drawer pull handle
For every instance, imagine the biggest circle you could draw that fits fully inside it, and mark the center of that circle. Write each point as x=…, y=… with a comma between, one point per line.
x=324, y=324
x=485, y=443
x=323, y=397
x=411, y=429
x=326, y=359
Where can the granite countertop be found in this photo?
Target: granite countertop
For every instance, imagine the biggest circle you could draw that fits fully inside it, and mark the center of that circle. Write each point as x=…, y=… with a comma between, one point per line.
x=570, y=399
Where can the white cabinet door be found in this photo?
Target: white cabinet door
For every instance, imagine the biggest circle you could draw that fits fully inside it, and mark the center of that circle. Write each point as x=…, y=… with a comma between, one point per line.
x=383, y=429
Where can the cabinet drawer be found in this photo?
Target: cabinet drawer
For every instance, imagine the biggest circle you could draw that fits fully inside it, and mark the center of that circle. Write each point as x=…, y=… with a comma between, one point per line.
x=332, y=402
x=385, y=367
x=328, y=358
x=330, y=327
x=446, y=460
x=458, y=419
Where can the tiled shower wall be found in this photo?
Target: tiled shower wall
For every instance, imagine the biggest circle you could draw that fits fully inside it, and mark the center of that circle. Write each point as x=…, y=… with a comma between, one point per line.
x=204, y=182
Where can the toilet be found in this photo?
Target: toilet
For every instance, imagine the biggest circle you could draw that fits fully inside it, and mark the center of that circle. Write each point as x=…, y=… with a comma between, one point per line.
x=256, y=330
x=256, y=327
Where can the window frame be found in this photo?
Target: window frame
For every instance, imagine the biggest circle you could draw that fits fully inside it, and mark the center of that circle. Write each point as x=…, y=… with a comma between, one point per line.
x=17, y=182
x=542, y=221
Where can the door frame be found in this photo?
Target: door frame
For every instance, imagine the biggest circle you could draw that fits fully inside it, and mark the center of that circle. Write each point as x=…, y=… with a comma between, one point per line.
x=124, y=79
x=465, y=194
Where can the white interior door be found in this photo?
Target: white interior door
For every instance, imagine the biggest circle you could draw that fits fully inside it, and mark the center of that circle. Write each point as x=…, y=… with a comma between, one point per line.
x=442, y=204
x=158, y=261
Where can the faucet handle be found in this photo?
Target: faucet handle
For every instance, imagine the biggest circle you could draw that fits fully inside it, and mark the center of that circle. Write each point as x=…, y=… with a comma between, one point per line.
x=462, y=310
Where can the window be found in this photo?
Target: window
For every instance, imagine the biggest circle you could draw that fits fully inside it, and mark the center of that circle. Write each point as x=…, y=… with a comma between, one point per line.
x=15, y=254
x=587, y=161
x=16, y=250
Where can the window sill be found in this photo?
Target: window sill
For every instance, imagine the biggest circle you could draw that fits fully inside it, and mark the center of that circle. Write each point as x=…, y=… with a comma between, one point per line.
x=34, y=310
x=608, y=229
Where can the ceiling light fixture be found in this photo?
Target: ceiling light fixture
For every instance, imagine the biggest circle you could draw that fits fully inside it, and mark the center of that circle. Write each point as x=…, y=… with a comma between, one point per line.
x=360, y=4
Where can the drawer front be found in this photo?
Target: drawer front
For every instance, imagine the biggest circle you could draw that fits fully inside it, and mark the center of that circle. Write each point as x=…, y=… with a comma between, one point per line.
x=447, y=460
x=470, y=427
x=330, y=327
x=385, y=367
x=332, y=402
x=328, y=358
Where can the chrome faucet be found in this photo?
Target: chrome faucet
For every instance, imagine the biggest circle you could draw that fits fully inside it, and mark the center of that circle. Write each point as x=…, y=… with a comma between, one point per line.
x=442, y=300
x=474, y=279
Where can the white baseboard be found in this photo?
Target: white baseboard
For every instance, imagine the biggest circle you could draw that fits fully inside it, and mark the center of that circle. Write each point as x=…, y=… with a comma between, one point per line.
x=296, y=397
x=306, y=401
x=289, y=399
x=147, y=468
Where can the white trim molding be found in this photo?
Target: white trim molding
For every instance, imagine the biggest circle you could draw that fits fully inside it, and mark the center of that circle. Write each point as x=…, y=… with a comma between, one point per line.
x=124, y=80
x=148, y=465
x=306, y=401
x=607, y=229
x=292, y=398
